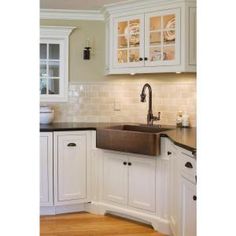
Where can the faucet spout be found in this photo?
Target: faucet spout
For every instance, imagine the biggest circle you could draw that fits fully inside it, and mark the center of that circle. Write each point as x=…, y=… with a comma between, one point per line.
x=150, y=117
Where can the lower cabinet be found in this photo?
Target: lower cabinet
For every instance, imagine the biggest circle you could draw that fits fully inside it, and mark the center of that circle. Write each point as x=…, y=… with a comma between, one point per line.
x=64, y=170
x=46, y=169
x=182, y=191
x=129, y=180
x=188, y=208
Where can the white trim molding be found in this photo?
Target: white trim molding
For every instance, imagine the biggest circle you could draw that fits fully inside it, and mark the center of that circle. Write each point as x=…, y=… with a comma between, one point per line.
x=58, y=14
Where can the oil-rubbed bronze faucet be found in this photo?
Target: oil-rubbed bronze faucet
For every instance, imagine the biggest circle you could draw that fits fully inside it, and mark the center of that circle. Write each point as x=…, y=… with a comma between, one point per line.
x=150, y=116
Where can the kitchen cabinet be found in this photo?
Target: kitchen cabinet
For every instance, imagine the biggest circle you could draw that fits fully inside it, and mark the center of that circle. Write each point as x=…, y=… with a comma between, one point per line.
x=46, y=169
x=129, y=180
x=70, y=167
x=182, y=191
x=65, y=171
x=159, y=38
x=54, y=44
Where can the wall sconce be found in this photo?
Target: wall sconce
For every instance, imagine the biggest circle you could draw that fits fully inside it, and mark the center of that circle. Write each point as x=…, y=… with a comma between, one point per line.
x=87, y=50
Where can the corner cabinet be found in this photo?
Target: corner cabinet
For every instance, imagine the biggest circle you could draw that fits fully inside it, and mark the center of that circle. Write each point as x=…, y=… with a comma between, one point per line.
x=54, y=44
x=159, y=38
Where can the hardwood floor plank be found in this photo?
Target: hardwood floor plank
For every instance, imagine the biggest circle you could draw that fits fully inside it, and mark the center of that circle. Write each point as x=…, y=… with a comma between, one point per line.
x=85, y=224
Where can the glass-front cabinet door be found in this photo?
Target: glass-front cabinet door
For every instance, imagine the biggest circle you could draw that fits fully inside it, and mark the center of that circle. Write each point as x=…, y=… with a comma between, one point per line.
x=51, y=67
x=128, y=41
x=162, y=38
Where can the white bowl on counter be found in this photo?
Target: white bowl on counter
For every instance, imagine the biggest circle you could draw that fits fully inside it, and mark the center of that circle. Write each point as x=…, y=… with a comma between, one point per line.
x=46, y=115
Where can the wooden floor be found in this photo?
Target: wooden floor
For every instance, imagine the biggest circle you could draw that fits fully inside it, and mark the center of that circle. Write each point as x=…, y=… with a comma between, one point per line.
x=85, y=224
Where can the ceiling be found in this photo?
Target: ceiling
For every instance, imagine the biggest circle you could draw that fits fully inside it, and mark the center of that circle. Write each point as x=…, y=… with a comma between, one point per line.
x=75, y=4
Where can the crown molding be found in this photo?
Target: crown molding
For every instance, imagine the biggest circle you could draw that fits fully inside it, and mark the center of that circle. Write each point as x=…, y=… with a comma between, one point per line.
x=57, y=14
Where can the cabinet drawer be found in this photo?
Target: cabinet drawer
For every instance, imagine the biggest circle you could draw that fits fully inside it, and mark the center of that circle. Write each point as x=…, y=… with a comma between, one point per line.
x=187, y=167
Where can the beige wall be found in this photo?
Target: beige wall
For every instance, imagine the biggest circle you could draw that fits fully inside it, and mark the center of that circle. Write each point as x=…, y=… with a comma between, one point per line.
x=92, y=94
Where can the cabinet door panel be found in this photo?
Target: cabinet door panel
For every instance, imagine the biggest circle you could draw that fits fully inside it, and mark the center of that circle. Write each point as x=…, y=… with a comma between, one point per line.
x=71, y=167
x=128, y=41
x=188, y=208
x=162, y=42
x=142, y=183
x=46, y=191
x=115, y=178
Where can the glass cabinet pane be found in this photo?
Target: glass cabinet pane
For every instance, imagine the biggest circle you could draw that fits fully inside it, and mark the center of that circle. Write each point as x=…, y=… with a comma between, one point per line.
x=134, y=55
x=43, y=69
x=122, y=42
x=54, y=51
x=122, y=26
x=43, y=86
x=169, y=37
x=155, y=23
x=122, y=56
x=53, y=86
x=43, y=51
x=155, y=38
x=53, y=69
x=134, y=40
x=169, y=21
x=169, y=53
x=155, y=54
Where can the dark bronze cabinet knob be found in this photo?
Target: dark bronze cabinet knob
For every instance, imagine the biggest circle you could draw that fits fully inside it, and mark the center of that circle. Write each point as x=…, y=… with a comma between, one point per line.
x=145, y=58
x=188, y=165
x=140, y=58
x=194, y=198
x=129, y=163
x=169, y=153
x=124, y=163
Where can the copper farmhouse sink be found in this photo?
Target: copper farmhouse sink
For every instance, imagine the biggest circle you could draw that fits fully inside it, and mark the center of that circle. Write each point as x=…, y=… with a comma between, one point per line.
x=141, y=139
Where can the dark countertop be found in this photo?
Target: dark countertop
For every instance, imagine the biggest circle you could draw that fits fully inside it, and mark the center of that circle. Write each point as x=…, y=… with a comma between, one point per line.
x=183, y=137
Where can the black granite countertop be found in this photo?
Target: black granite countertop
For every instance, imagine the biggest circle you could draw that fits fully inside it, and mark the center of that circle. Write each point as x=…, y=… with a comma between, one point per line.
x=183, y=137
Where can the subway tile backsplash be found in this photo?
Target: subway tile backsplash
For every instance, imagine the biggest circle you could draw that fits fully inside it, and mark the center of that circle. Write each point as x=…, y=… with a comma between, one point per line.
x=120, y=102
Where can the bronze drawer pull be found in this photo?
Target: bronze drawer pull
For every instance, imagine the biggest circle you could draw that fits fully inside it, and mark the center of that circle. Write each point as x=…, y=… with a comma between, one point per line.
x=194, y=198
x=188, y=165
x=71, y=145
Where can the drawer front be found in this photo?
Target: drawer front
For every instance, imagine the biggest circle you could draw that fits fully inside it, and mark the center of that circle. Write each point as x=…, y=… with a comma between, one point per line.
x=187, y=167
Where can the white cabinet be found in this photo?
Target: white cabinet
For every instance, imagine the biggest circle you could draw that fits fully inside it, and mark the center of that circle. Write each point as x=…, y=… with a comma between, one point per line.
x=159, y=38
x=115, y=177
x=188, y=208
x=174, y=190
x=54, y=44
x=46, y=169
x=182, y=191
x=65, y=162
x=70, y=167
x=129, y=180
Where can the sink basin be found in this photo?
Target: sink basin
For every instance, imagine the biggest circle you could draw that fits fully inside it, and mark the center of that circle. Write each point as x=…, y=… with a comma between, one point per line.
x=139, y=139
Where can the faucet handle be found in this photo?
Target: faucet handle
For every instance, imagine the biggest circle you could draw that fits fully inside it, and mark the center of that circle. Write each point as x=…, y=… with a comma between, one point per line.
x=158, y=117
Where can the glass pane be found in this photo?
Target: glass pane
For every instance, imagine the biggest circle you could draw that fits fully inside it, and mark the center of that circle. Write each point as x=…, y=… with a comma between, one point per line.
x=155, y=54
x=122, y=56
x=134, y=55
x=122, y=42
x=169, y=37
x=134, y=40
x=43, y=69
x=53, y=86
x=122, y=26
x=54, y=51
x=155, y=38
x=53, y=69
x=169, y=21
x=155, y=23
x=134, y=26
x=168, y=53
x=43, y=51
x=43, y=86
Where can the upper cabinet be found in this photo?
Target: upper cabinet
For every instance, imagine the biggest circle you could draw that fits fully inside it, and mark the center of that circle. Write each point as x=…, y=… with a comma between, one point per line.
x=54, y=45
x=158, y=36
